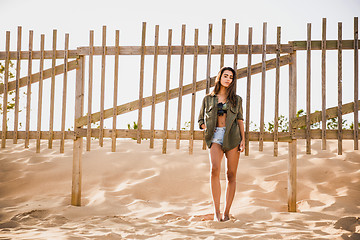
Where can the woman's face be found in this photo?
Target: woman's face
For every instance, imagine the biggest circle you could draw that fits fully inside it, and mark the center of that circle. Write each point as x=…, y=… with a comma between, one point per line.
x=226, y=78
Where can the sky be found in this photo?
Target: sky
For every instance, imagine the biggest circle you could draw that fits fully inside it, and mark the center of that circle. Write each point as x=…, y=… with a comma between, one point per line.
x=79, y=17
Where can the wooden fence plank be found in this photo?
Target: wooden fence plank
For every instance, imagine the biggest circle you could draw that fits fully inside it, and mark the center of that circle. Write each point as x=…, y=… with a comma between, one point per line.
x=44, y=135
x=317, y=116
x=200, y=85
x=90, y=87
x=141, y=85
x=236, y=49
x=36, y=76
x=5, y=96
x=63, y=118
x=48, y=54
x=330, y=134
x=223, y=28
x=184, y=134
x=308, y=89
x=102, y=95
x=293, y=97
x=17, y=83
x=82, y=102
x=248, y=91
x=292, y=163
x=316, y=45
x=116, y=80
x=52, y=93
x=28, y=91
x=208, y=69
x=339, y=88
x=193, y=96
x=323, y=83
x=78, y=141
x=356, y=84
x=181, y=80
x=152, y=124
x=263, y=76
x=42, y=43
x=189, y=50
x=277, y=93
x=167, y=95
x=208, y=65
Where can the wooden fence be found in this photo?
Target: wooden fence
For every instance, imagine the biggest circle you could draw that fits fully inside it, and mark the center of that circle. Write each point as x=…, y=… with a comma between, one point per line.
x=75, y=59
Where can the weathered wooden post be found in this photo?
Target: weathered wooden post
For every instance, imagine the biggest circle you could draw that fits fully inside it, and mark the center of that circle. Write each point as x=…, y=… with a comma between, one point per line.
x=5, y=97
x=141, y=84
x=293, y=141
x=78, y=141
x=356, y=83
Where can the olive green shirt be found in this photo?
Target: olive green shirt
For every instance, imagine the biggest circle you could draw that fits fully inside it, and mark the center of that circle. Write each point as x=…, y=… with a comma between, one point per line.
x=208, y=116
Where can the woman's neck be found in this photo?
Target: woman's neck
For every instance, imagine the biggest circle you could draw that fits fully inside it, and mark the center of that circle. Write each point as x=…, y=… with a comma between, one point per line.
x=222, y=91
x=222, y=95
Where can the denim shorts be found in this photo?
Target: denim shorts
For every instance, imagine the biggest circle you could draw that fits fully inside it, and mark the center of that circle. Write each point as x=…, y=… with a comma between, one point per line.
x=218, y=136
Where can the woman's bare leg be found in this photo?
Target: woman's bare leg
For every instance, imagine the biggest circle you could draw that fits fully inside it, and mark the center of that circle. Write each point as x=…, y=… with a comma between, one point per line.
x=232, y=157
x=216, y=155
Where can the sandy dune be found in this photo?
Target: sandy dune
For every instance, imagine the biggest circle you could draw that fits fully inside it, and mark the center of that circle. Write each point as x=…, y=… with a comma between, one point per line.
x=139, y=193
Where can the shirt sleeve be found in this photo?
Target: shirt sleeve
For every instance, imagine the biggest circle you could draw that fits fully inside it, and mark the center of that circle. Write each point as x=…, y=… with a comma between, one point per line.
x=240, y=110
x=201, y=114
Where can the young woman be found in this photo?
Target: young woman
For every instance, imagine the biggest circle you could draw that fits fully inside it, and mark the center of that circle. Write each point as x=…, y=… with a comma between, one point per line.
x=221, y=117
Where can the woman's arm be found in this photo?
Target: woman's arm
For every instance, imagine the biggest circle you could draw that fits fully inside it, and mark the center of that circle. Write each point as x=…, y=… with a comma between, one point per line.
x=201, y=115
x=240, y=119
x=242, y=134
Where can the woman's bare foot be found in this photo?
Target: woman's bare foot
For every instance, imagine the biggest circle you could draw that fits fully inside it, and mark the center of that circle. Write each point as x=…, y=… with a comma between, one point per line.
x=225, y=218
x=217, y=217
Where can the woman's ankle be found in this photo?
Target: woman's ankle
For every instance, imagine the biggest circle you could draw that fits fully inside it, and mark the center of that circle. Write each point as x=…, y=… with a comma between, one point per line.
x=226, y=217
x=217, y=216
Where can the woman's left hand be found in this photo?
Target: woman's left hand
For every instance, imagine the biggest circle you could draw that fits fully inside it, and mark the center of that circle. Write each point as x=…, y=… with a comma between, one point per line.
x=242, y=146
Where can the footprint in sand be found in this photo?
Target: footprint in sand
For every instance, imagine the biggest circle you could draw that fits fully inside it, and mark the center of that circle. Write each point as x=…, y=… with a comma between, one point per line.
x=55, y=220
x=168, y=217
x=9, y=224
x=209, y=219
x=178, y=220
x=30, y=218
x=205, y=217
x=38, y=214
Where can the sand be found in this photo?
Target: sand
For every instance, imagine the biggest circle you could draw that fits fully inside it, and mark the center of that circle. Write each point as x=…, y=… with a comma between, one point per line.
x=140, y=193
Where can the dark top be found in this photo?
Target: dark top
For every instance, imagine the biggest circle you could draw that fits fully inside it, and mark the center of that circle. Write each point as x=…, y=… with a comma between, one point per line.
x=222, y=108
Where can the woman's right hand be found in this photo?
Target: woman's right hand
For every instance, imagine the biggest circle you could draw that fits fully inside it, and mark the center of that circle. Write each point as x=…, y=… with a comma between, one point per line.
x=203, y=127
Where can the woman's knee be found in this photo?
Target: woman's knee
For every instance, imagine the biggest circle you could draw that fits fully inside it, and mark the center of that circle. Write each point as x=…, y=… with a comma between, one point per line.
x=215, y=170
x=231, y=176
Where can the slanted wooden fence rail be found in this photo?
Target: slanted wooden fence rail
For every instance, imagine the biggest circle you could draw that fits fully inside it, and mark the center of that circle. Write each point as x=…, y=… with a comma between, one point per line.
x=78, y=59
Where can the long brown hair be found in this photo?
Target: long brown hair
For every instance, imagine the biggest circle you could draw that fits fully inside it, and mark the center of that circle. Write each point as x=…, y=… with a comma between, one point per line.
x=231, y=92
